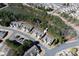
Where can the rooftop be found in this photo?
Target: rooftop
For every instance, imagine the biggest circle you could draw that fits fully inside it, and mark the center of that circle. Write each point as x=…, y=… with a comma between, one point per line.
x=33, y=51
x=2, y=34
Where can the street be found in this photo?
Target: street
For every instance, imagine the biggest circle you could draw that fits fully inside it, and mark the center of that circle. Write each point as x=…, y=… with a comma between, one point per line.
x=48, y=52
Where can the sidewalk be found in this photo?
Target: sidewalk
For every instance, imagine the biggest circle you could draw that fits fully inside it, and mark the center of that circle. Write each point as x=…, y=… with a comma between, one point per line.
x=9, y=34
x=31, y=35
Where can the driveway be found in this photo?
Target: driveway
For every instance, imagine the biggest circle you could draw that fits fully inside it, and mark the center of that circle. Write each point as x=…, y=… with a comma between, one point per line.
x=48, y=52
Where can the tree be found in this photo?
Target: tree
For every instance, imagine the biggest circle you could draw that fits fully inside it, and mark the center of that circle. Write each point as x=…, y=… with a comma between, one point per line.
x=20, y=50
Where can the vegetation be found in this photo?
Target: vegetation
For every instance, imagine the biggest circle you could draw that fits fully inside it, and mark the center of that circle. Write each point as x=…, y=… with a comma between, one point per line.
x=13, y=44
x=18, y=48
x=45, y=9
x=74, y=51
x=41, y=7
x=17, y=12
x=65, y=15
x=70, y=18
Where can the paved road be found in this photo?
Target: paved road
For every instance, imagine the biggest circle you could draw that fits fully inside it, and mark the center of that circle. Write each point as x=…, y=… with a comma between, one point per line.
x=62, y=47
x=66, y=45
x=48, y=52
